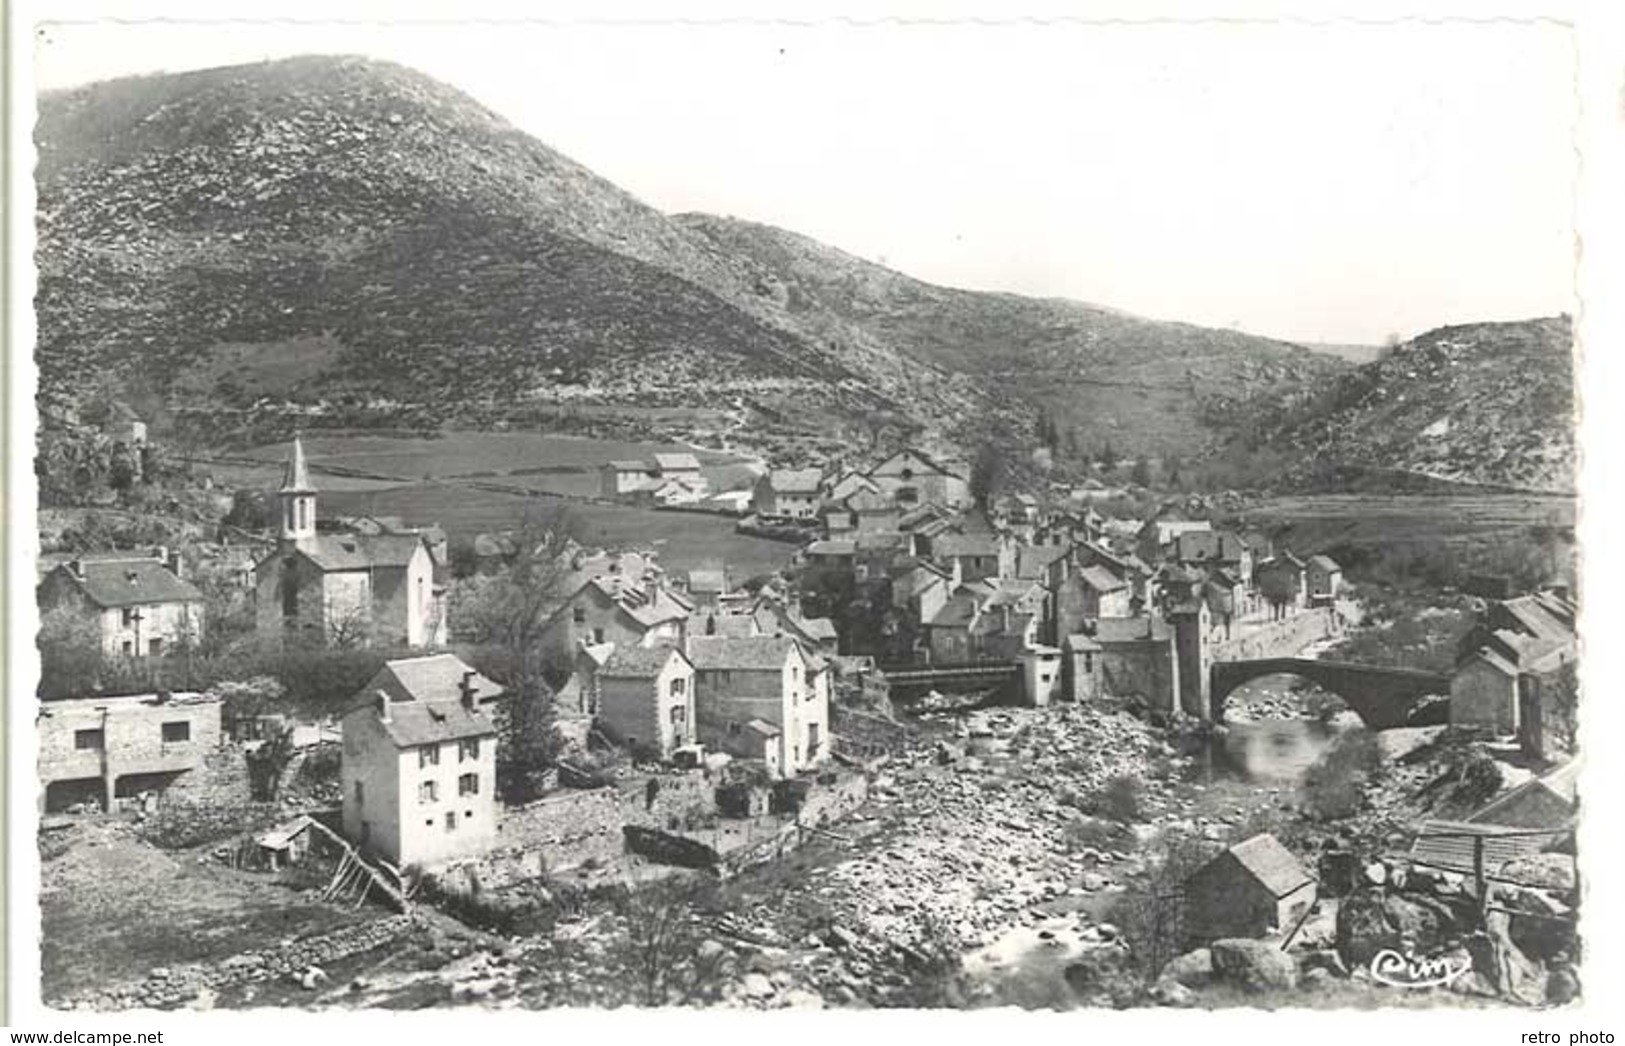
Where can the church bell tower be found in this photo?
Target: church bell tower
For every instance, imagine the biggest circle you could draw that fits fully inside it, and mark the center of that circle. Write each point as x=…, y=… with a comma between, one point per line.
x=297, y=499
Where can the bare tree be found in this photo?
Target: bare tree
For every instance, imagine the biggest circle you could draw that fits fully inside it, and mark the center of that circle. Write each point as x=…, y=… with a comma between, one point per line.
x=506, y=615
x=661, y=951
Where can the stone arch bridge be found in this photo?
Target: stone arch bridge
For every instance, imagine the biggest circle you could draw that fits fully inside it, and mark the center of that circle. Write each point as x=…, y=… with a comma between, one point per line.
x=1383, y=697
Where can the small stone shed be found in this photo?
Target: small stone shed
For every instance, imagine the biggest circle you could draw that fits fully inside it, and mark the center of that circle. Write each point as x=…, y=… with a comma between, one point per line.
x=1249, y=890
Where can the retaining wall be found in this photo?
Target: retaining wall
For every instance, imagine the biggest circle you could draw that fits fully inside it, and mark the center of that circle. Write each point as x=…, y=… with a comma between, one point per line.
x=1278, y=638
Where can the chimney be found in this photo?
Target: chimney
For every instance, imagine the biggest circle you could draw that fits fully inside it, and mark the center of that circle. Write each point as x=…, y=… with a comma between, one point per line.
x=382, y=699
x=173, y=561
x=466, y=688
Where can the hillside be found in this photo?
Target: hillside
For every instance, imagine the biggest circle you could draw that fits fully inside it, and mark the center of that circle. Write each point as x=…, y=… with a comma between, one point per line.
x=1485, y=403
x=345, y=241
x=1106, y=376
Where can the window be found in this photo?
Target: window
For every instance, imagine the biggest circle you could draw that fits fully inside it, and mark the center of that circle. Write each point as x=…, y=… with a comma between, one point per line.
x=155, y=646
x=795, y=754
x=597, y=635
x=176, y=733
x=679, y=687
x=129, y=616
x=127, y=648
x=87, y=740
x=579, y=616
x=468, y=815
x=812, y=740
x=451, y=820
x=428, y=755
x=679, y=716
x=468, y=784
x=360, y=793
x=468, y=751
x=733, y=729
x=1088, y=663
x=428, y=792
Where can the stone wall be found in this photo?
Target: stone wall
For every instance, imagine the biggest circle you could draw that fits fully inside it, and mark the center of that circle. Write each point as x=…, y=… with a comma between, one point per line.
x=1278, y=638
x=166, y=987
x=567, y=829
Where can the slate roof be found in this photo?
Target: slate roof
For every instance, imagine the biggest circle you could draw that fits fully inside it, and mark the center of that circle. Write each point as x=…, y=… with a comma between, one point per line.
x=1220, y=545
x=677, y=462
x=1081, y=642
x=954, y=545
x=1100, y=579
x=795, y=481
x=296, y=474
x=816, y=628
x=728, y=653
x=1033, y=561
x=1538, y=799
x=413, y=723
x=924, y=459
x=832, y=548
x=957, y=612
x=763, y=727
x=638, y=662
x=870, y=501
x=334, y=553
x=130, y=582
x=629, y=465
x=436, y=677
x=1271, y=864
x=1326, y=563
x=735, y=626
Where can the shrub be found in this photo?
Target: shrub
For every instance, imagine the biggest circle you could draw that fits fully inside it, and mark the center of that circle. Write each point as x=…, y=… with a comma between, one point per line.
x=1334, y=787
x=1123, y=798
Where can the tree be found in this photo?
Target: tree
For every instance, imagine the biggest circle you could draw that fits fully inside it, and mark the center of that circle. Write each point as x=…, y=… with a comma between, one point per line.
x=506, y=614
x=988, y=473
x=1108, y=456
x=660, y=950
x=70, y=647
x=1141, y=475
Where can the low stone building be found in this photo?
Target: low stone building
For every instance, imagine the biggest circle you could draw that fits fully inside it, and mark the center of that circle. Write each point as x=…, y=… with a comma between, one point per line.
x=102, y=748
x=646, y=699
x=1250, y=890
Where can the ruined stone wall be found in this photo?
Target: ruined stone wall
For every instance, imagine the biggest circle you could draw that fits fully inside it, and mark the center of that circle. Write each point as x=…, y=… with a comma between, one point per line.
x=220, y=780
x=566, y=829
x=868, y=732
x=1278, y=638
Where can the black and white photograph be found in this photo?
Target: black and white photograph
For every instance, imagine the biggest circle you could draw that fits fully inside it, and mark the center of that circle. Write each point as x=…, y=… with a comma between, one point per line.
x=1058, y=514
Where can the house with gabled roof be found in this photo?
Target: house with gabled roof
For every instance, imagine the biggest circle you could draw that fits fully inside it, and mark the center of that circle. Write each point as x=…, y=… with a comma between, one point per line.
x=419, y=766
x=344, y=589
x=140, y=605
x=625, y=609
x=1324, y=580
x=771, y=680
x=787, y=493
x=910, y=477
x=1507, y=668
x=646, y=699
x=1282, y=581
x=1255, y=888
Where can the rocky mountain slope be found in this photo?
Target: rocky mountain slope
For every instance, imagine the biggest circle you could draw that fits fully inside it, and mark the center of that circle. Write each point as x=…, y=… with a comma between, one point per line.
x=1106, y=377
x=345, y=235
x=1485, y=403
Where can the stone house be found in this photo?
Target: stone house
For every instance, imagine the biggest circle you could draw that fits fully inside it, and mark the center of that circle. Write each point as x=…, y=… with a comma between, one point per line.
x=626, y=476
x=678, y=466
x=1252, y=889
x=1211, y=549
x=99, y=749
x=1138, y=660
x=419, y=775
x=1089, y=594
x=974, y=556
x=911, y=478
x=621, y=609
x=1324, y=579
x=872, y=511
x=705, y=588
x=767, y=680
x=345, y=589
x=1508, y=663
x=787, y=493
x=1157, y=538
x=840, y=485
x=140, y=605
x=646, y=699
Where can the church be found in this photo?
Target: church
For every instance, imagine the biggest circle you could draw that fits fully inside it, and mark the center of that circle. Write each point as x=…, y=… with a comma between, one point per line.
x=344, y=589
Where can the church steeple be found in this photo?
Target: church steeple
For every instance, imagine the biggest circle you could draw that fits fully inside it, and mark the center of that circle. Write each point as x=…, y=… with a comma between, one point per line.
x=297, y=498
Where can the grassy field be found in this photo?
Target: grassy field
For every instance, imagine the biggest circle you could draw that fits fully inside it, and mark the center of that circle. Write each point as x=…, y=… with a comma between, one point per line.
x=685, y=540
x=433, y=481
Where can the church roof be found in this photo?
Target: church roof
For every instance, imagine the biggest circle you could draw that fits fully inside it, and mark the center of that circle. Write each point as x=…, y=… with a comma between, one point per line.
x=296, y=475
x=340, y=552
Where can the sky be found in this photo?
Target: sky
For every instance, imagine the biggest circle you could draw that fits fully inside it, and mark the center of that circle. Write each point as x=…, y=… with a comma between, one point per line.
x=1326, y=183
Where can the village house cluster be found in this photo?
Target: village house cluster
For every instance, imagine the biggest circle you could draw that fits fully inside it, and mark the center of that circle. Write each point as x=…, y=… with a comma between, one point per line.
x=904, y=578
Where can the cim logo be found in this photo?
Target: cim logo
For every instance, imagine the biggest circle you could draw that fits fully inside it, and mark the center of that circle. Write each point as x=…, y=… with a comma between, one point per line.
x=1407, y=971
